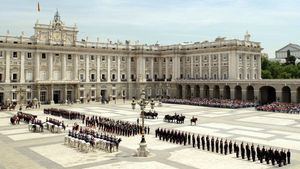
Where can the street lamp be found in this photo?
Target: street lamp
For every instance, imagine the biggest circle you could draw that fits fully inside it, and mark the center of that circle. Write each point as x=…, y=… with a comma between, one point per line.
x=142, y=151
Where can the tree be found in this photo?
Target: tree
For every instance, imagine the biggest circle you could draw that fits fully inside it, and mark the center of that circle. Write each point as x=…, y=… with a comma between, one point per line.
x=290, y=59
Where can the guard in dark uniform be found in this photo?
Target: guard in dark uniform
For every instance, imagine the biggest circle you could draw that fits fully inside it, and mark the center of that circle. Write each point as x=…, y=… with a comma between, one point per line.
x=185, y=139
x=230, y=147
x=203, y=142
x=207, y=142
x=217, y=145
x=237, y=151
x=193, y=140
x=258, y=153
x=253, y=152
x=221, y=146
x=226, y=147
x=283, y=157
x=212, y=143
x=242, y=150
x=189, y=139
x=263, y=153
x=248, y=151
x=234, y=146
x=198, y=141
x=288, y=154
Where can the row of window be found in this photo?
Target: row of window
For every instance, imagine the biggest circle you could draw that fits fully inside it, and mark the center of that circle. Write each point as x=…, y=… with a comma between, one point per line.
x=215, y=76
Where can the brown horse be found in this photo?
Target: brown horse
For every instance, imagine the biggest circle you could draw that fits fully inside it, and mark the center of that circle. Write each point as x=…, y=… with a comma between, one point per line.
x=193, y=120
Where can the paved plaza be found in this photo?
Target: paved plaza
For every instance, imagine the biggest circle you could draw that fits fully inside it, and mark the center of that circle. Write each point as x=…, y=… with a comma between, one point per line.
x=23, y=149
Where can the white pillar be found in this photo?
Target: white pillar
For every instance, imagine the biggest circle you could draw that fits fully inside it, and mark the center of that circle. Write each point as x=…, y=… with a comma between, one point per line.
x=76, y=68
x=252, y=67
x=63, y=66
x=143, y=69
x=108, y=69
x=209, y=66
x=119, y=69
x=98, y=69
x=192, y=66
x=167, y=69
x=7, y=66
x=245, y=66
x=87, y=68
x=174, y=70
x=160, y=67
x=152, y=69
x=259, y=66
x=200, y=67
x=37, y=67
x=129, y=68
x=22, y=75
x=50, y=67
x=219, y=66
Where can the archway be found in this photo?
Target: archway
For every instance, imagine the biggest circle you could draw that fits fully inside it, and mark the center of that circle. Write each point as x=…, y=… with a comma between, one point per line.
x=250, y=93
x=286, y=94
x=206, y=91
x=226, y=92
x=179, y=91
x=216, y=92
x=238, y=93
x=267, y=94
x=197, y=91
x=188, y=91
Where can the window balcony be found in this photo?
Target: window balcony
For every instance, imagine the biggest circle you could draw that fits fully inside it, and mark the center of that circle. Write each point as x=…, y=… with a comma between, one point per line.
x=103, y=80
x=149, y=80
x=14, y=80
x=93, y=80
x=133, y=80
x=82, y=80
x=113, y=80
x=124, y=80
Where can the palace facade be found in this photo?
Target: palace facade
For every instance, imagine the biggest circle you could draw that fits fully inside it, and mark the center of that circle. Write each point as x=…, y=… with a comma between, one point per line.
x=54, y=66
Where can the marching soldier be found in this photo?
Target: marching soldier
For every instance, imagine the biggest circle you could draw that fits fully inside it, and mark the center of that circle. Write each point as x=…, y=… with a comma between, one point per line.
x=259, y=156
x=284, y=157
x=212, y=142
x=221, y=146
x=198, y=141
x=230, y=147
x=253, y=152
x=217, y=145
x=237, y=151
x=288, y=154
x=189, y=139
x=185, y=139
x=207, y=142
x=193, y=140
x=203, y=142
x=234, y=147
x=226, y=147
x=242, y=151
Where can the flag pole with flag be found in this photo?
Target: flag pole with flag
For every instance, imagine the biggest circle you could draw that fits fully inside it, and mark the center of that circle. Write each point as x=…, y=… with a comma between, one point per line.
x=38, y=7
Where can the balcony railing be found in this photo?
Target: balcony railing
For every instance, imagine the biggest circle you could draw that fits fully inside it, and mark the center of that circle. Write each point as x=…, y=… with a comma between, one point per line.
x=149, y=80
x=124, y=80
x=92, y=80
x=103, y=80
x=14, y=80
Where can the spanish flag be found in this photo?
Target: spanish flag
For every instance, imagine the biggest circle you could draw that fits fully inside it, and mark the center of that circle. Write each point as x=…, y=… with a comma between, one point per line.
x=38, y=7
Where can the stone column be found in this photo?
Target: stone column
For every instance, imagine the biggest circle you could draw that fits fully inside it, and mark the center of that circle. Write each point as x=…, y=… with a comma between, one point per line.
x=160, y=67
x=152, y=69
x=200, y=67
x=293, y=96
x=7, y=66
x=245, y=66
x=219, y=67
x=192, y=67
x=66, y=92
x=50, y=66
x=76, y=67
x=37, y=67
x=87, y=68
x=51, y=94
x=209, y=66
x=252, y=67
x=108, y=69
x=259, y=67
x=22, y=74
x=143, y=69
x=167, y=69
x=38, y=92
x=128, y=69
x=119, y=69
x=63, y=67
x=98, y=69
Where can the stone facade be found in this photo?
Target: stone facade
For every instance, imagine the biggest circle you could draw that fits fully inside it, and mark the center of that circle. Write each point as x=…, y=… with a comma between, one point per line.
x=53, y=66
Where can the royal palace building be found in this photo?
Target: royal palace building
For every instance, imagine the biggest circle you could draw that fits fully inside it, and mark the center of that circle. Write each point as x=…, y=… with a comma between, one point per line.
x=54, y=66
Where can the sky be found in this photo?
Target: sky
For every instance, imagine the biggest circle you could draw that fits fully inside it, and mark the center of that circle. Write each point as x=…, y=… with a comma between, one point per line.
x=274, y=23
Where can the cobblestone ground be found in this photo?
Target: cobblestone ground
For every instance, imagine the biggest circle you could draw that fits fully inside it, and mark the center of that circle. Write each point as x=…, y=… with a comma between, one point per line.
x=22, y=149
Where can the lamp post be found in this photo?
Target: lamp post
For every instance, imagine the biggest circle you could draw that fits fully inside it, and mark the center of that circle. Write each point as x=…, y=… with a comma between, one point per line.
x=142, y=151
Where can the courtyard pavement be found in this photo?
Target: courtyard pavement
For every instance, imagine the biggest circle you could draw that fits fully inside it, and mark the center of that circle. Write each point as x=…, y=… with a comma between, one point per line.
x=21, y=149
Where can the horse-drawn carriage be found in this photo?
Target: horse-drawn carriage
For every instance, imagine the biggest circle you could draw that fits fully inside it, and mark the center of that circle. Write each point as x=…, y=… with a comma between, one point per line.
x=179, y=119
x=151, y=115
x=8, y=106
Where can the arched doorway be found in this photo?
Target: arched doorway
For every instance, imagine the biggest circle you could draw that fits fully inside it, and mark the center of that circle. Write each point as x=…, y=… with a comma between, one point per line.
x=206, y=91
x=238, y=93
x=267, y=94
x=188, y=91
x=286, y=94
x=226, y=92
x=179, y=91
x=250, y=93
x=197, y=91
x=216, y=92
